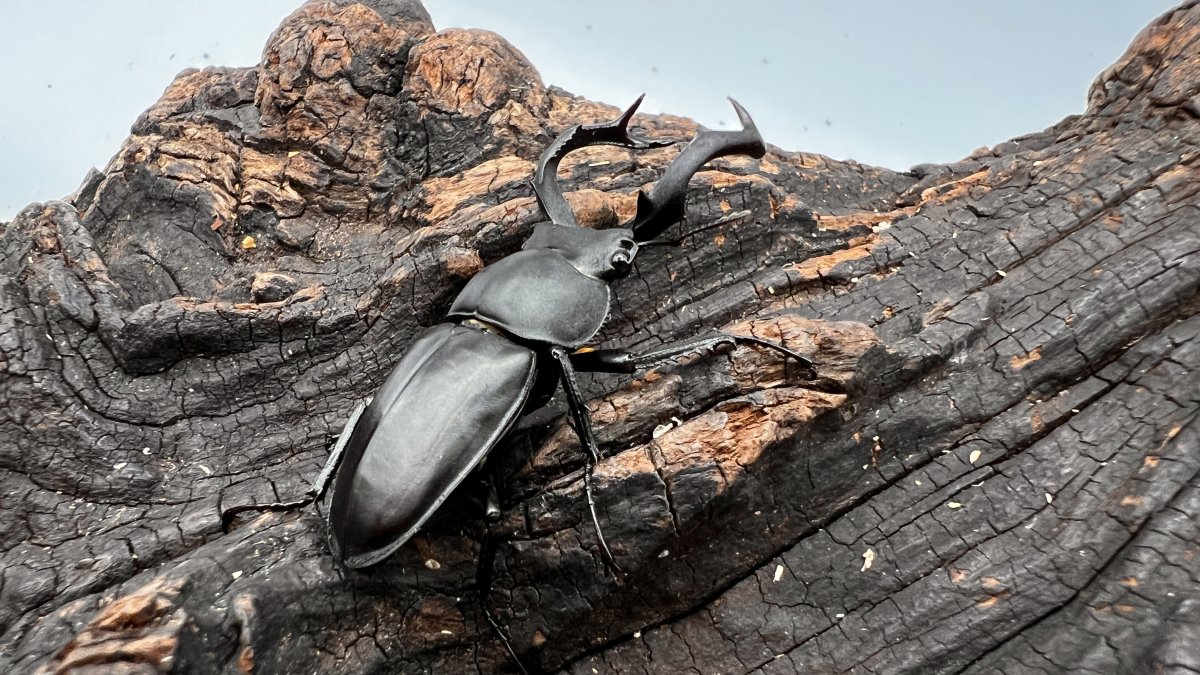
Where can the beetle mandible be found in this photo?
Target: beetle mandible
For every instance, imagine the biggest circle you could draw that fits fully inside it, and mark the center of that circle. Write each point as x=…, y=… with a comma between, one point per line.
x=509, y=339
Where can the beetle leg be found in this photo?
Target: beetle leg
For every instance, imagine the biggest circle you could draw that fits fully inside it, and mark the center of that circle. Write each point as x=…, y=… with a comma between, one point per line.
x=583, y=429
x=319, y=485
x=621, y=361
x=491, y=508
x=488, y=496
x=483, y=586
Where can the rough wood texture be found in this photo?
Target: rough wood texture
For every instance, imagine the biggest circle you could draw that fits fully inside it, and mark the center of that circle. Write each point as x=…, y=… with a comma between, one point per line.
x=997, y=470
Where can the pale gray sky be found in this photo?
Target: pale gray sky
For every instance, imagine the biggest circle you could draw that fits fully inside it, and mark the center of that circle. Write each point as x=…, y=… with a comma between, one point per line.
x=879, y=81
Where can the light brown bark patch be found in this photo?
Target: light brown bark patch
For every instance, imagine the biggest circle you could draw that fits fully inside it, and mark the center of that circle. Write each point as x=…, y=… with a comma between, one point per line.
x=1018, y=362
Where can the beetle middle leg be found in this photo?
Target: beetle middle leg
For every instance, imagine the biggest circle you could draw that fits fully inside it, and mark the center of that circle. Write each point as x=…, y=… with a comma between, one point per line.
x=319, y=485
x=583, y=428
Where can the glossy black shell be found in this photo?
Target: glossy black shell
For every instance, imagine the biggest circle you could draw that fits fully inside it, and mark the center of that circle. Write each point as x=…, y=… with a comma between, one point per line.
x=455, y=393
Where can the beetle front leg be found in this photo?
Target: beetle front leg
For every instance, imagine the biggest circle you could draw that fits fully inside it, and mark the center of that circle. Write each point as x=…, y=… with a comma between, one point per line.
x=319, y=485
x=583, y=428
x=621, y=361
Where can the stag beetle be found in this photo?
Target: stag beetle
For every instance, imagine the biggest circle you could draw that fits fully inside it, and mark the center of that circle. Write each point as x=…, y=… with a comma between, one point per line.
x=509, y=338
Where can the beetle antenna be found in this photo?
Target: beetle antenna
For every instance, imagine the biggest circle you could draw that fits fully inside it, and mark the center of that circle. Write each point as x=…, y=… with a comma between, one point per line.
x=724, y=220
x=664, y=206
x=545, y=178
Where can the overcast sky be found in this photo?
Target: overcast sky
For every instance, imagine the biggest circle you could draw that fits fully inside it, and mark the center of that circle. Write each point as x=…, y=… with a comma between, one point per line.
x=883, y=82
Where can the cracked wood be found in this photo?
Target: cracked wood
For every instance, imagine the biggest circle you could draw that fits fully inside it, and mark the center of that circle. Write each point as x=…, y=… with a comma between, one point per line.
x=995, y=471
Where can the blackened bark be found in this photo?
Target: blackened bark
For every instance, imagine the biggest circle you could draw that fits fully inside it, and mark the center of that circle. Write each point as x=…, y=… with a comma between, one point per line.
x=997, y=469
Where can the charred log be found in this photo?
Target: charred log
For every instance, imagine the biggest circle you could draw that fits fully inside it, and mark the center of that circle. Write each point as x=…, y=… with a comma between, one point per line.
x=996, y=470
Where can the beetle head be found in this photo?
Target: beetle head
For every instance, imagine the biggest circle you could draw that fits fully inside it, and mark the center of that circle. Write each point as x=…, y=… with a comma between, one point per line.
x=602, y=254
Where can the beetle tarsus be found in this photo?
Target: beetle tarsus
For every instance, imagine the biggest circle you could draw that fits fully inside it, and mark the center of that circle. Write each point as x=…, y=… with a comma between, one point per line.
x=319, y=486
x=483, y=588
x=751, y=340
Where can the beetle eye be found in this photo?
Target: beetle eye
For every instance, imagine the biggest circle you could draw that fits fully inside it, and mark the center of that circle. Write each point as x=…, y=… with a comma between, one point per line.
x=622, y=259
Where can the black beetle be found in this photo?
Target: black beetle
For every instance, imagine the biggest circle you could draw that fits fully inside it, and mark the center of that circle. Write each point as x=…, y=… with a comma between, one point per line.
x=509, y=339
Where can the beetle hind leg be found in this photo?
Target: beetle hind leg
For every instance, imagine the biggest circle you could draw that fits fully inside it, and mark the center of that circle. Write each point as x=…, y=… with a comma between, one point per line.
x=319, y=485
x=486, y=496
x=483, y=588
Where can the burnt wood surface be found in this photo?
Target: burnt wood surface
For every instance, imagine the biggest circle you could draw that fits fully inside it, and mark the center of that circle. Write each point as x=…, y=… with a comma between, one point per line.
x=996, y=471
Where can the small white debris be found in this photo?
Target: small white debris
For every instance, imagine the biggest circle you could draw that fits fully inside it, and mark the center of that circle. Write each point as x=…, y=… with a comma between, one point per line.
x=758, y=513
x=771, y=290
x=120, y=465
x=875, y=438
x=975, y=455
x=433, y=564
x=881, y=226
x=145, y=451
x=778, y=573
x=237, y=574
x=1002, y=273
x=918, y=483
x=191, y=391
x=207, y=471
x=839, y=616
x=665, y=427
x=854, y=280
x=866, y=466
x=447, y=632
x=1075, y=410
x=1049, y=498
x=953, y=505
x=637, y=635
x=666, y=552
x=868, y=559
